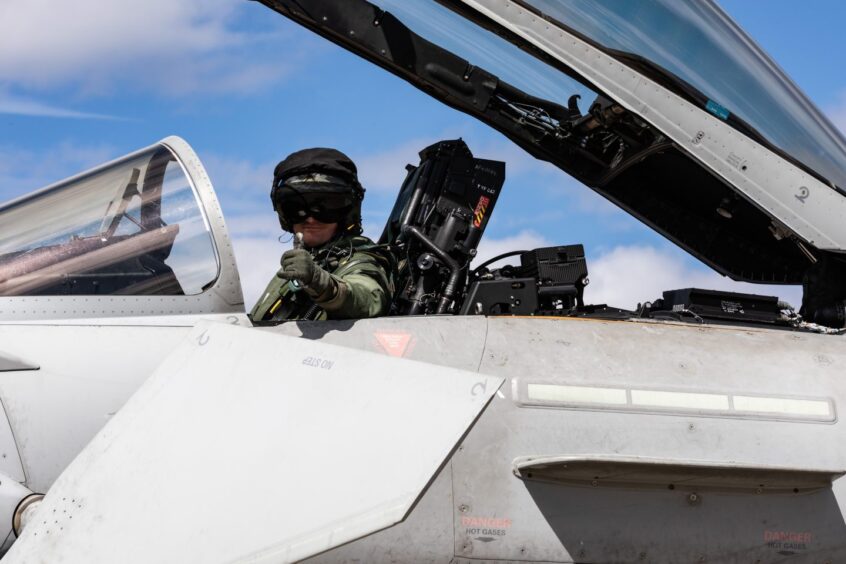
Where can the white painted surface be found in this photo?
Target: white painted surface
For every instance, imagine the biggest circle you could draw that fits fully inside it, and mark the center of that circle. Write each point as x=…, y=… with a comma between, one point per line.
x=250, y=446
x=87, y=374
x=682, y=400
x=577, y=394
x=786, y=406
x=674, y=401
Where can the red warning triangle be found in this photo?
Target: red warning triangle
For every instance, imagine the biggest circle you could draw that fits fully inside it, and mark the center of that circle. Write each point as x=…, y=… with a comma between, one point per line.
x=395, y=344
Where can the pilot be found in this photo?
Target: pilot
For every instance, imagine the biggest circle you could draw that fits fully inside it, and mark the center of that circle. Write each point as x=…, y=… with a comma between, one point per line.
x=333, y=272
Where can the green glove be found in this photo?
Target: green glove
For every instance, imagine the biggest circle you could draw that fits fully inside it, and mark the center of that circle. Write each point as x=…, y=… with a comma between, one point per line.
x=298, y=264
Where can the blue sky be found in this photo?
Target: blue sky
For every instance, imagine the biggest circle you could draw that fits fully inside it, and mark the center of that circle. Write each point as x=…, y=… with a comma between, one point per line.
x=85, y=81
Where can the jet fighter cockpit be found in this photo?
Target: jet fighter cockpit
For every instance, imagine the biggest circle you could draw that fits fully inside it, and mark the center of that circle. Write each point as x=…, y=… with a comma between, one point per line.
x=667, y=109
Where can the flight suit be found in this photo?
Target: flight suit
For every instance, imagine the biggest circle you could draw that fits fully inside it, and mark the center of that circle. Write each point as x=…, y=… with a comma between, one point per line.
x=362, y=266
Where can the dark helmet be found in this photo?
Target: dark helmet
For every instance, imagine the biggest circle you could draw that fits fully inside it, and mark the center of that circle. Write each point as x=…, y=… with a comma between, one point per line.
x=319, y=182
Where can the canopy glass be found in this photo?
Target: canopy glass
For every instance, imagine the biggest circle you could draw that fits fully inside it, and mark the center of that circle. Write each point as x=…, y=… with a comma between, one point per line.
x=699, y=44
x=134, y=227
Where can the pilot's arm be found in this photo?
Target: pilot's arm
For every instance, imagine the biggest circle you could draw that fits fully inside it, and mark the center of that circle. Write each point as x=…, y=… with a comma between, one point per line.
x=357, y=289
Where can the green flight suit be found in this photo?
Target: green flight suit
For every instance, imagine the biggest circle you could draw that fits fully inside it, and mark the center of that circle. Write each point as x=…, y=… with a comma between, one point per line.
x=364, y=268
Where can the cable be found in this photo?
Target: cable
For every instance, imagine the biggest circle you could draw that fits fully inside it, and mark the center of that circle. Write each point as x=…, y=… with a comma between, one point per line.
x=496, y=258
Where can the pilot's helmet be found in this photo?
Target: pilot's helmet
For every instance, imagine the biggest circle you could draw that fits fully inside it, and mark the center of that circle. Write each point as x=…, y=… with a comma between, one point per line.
x=322, y=183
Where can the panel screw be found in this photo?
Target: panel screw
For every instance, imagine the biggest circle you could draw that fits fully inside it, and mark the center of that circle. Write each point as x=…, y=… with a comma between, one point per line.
x=463, y=508
x=693, y=498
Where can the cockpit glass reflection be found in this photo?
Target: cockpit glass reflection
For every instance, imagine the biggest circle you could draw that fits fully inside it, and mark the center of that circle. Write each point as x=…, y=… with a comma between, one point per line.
x=697, y=43
x=133, y=228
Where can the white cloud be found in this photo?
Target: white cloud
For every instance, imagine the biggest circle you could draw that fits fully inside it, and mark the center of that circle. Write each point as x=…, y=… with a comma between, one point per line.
x=10, y=104
x=261, y=224
x=384, y=172
x=523, y=241
x=242, y=185
x=173, y=46
x=23, y=171
x=258, y=261
x=628, y=275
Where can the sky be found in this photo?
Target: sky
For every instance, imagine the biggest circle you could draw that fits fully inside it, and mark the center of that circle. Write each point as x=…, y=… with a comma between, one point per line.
x=86, y=81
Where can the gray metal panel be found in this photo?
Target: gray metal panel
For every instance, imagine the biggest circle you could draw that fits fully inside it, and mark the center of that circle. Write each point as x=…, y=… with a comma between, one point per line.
x=87, y=373
x=11, y=465
x=426, y=536
x=614, y=471
x=508, y=518
x=446, y=340
x=317, y=419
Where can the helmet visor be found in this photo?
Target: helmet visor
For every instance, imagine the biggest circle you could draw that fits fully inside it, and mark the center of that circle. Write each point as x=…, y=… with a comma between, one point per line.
x=326, y=207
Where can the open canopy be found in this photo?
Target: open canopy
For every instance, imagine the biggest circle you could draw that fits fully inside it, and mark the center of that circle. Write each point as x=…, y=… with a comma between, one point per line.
x=667, y=109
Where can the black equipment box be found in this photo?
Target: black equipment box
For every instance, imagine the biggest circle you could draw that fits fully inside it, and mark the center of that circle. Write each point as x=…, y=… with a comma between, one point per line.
x=556, y=266
x=714, y=304
x=549, y=281
x=506, y=296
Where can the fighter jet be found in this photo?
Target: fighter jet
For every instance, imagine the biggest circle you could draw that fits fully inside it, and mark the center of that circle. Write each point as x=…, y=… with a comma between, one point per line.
x=496, y=415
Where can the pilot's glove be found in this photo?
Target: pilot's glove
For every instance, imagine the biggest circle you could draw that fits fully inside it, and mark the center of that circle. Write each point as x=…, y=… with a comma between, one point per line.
x=298, y=264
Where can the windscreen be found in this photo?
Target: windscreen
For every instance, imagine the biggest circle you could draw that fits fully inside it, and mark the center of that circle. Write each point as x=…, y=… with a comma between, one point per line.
x=698, y=43
x=134, y=227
